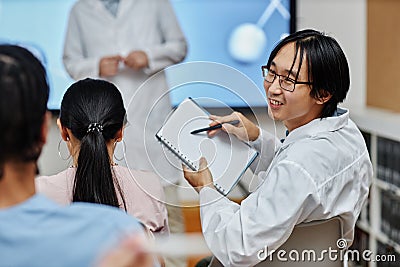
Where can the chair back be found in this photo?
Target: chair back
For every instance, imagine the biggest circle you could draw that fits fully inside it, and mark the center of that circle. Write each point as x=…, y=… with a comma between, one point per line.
x=310, y=244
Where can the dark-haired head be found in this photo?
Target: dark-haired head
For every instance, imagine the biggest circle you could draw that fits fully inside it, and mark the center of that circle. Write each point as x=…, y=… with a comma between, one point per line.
x=328, y=70
x=92, y=114
x=24, y=92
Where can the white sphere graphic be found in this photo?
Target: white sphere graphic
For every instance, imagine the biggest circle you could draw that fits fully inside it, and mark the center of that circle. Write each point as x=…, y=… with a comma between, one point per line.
x=247, y=43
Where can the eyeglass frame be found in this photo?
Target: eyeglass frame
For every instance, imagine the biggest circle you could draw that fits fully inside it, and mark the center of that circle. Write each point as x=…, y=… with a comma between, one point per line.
x=287, y=78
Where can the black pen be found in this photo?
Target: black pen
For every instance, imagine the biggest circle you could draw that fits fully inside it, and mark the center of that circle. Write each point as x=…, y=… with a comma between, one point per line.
x=214, y=127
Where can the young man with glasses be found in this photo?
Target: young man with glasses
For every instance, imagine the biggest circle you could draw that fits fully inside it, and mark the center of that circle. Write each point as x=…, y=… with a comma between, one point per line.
x=321, y=170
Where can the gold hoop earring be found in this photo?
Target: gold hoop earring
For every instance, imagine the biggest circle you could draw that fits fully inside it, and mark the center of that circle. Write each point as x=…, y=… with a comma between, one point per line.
x=59, y=152
x=123, y=150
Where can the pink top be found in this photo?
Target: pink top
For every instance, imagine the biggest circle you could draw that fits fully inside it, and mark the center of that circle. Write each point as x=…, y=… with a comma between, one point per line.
x=142, y=190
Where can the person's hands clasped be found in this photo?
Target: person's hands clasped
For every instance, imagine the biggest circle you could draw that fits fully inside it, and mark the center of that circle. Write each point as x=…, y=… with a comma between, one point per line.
x=137, y=60
x=108, y=66
x=245, y=130
x=201, y=178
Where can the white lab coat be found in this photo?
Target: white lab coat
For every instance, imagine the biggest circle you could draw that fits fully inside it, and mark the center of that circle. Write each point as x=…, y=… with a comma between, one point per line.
x=321, y=170
x=148, y=25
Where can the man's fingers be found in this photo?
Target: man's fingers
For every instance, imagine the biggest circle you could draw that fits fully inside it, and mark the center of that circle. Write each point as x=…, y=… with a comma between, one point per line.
x=223, y=119
x=229, y=128
x=185, y=168
x=203, y=163
x=218, y=119
x=215, y=120
x=213, y=132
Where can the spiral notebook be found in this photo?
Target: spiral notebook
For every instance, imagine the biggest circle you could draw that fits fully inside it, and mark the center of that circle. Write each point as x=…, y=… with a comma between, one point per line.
x=227, y=156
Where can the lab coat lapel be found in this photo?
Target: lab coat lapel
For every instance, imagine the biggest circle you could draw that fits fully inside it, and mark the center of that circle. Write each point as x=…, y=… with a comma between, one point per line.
x=126, y=6
x=99, y=7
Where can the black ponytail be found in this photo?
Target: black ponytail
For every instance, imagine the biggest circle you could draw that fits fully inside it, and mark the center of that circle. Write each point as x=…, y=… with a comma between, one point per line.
x=94, y=112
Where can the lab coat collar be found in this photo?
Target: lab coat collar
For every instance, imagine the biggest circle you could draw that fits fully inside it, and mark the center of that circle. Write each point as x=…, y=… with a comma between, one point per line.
x=123, y=6
x=318, y=125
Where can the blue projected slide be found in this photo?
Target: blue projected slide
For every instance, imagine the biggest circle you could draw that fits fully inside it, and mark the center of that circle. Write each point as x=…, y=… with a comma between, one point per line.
x=238, y=33
x=40, y=26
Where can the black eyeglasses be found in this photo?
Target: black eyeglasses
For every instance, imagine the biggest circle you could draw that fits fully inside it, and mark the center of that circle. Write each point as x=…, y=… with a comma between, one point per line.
x=286, y=83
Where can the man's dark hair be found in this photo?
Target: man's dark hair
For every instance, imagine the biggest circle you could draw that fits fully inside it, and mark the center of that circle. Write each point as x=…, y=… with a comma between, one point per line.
x=328, y=70
x=24, y=92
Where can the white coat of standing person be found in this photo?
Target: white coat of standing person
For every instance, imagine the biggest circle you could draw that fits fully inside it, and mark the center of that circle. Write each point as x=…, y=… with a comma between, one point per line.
x=126, y=42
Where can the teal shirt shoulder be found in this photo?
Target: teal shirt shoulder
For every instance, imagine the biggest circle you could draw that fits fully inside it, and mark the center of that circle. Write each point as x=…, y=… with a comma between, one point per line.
x=39, y=232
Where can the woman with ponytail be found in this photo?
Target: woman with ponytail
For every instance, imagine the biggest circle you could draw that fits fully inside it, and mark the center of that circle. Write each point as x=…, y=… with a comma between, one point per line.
x=91, y=122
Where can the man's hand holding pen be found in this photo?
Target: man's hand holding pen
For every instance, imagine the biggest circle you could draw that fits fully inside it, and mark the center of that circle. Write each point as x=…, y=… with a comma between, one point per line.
x=245, y=130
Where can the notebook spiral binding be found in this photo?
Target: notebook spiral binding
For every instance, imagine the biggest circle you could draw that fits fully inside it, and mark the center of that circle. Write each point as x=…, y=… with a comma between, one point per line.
x=219, y=188
x=187, y=161
x=177, y=153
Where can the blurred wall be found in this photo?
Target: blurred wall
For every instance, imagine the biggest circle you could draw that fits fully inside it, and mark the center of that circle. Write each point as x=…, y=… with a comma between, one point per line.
x=346, y=21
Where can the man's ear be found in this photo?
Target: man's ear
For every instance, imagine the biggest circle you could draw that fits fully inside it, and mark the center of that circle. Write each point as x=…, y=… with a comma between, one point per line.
x=323, y=97
x=63, y=131
x=45, y=127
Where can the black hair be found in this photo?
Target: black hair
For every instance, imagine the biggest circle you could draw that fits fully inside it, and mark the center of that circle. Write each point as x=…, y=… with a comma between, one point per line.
x=87, y=102
x=24, y=92
x=328, y=70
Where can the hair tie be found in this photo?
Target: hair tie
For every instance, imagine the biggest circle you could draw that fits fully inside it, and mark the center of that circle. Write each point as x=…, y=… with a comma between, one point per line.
x=95, y=127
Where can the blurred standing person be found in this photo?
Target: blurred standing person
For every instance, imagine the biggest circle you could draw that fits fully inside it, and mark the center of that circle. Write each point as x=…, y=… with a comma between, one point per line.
x=126, y=42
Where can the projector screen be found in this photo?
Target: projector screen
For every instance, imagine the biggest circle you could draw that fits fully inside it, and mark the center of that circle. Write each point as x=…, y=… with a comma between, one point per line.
x=236, y=33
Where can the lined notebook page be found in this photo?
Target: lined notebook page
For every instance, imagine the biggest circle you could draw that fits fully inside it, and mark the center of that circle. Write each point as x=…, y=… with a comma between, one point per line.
x=227, y=156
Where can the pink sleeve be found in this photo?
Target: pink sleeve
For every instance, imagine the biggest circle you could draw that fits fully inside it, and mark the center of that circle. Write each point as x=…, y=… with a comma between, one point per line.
x=56, y=187
x=145, y=198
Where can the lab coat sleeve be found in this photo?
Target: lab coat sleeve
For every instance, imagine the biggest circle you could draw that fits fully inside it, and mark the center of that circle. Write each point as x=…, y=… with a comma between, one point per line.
x=266, y=145
x=77, y=65
x=236, y=234
x=173, y=49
